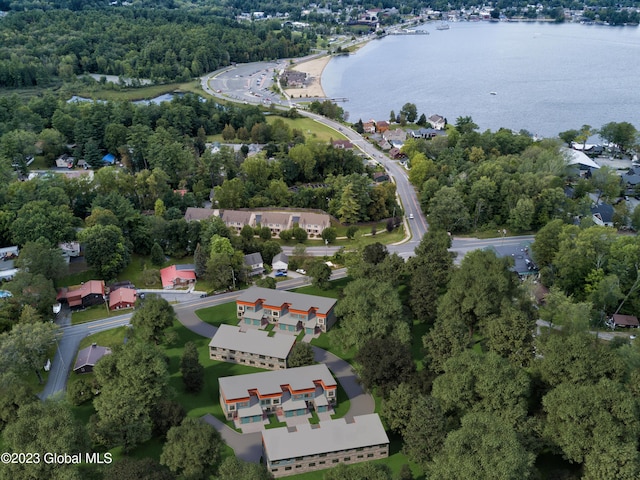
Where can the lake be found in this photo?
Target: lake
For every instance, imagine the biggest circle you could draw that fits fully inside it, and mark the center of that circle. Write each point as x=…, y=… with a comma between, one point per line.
x=541, y=77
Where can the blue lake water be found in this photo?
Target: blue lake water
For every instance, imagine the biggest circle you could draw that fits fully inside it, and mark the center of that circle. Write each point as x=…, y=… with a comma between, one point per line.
x=547, y=78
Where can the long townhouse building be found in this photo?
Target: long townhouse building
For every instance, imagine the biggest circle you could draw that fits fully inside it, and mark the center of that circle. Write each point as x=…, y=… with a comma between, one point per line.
x=289, y=311
x=306, y=447
x=277, y=221
x=285, y=393
x=257, y=348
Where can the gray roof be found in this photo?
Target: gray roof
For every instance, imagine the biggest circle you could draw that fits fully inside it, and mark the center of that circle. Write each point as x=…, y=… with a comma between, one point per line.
x=253, y=341
x=605, y=211
x=186, y=267
x=90, y=355
x=197, y=214
x=296, y=301
x=267, y=383
x=328, y=436
x=253, y=259
x=280, y=257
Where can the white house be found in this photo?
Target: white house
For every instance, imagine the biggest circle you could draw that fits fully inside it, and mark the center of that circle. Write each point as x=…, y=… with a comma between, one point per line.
x=280, y=262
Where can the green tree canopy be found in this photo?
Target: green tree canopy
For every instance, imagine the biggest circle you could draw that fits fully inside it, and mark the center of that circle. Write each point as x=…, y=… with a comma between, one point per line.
x=105, y=250
x=152, y=318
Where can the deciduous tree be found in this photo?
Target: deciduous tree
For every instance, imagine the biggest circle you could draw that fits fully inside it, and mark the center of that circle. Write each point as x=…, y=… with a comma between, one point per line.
x=152, y=318
x=25, y=348
x=191, y=369
x=105, y=250
x=192, y=449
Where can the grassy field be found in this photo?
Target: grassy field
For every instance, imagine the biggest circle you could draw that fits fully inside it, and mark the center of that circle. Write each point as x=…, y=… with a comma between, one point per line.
x=310, y=128
x=219, y=314
x=96, y=312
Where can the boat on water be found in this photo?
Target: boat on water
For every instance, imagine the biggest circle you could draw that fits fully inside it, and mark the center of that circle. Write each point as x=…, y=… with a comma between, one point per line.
x=443, y=26
x=493, y=93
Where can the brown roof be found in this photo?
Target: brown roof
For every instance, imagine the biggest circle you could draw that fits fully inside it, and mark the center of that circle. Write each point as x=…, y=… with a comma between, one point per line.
x=74, y=295
x=626, y=320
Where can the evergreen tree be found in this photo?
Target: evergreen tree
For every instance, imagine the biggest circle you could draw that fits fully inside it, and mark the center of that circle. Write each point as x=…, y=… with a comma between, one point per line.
x=191, y=369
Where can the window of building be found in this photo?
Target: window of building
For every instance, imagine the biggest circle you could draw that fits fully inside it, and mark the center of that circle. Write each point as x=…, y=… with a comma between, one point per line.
x=347, y=459
x=312, y=464
x=322, y=462
x=276, y=401
x=261, y=357
x=360, y=456
x=287, y=468
x=335, y=460
x=322, y=455
x=271, y=365
x=252, y=362
x=232, y=351
x=369, y=455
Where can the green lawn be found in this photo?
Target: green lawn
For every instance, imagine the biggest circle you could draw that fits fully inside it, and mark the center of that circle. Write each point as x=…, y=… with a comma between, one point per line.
x=342, y=403
x=310, y=128
x=332, y=292
x=219, y=314
x=325, y=343
x=109, y=338
x=95, y=313
x=274, y=423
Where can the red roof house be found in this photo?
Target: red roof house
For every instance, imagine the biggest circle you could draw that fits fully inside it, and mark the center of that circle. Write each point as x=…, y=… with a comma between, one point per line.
x=122, y=298
x=178, y=276
x=84, y=295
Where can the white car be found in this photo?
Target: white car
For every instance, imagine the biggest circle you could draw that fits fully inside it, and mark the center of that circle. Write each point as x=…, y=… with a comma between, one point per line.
x=301, y=271
x=411, y=216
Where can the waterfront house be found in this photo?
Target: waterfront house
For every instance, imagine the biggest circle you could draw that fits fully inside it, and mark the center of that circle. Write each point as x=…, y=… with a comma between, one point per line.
x=251, y=347
x=306, y=447
x=438, y=122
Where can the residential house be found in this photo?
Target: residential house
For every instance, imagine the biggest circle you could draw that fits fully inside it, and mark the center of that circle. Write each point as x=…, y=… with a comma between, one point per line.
x=82, y=296
x=380, y=177
x=396, y=153
x=426, y=133
x=630, y=180
x=342, y=144
x=280, y=262
x=624, y=321
x=306, y=447
x=602, y=214
x=394, y=136
x=275, y=221
x=285, y=393
x=197, y=214
x=382, y=126
x=290, y=312
x=64, y=161
x=293, y=78
x=437, y=121
x=251, y=347
x=369, y=127
x=236, y=219
x=122, y=297
x=88, y=357
x=178, y=276
x=69, y=250
x=254, y=262
x=312, y=223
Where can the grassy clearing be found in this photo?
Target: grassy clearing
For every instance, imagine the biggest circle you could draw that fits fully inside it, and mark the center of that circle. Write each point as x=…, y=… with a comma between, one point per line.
x=324, y=342
x=141, y=93
x=219, y=314
x=342, y=403
x=109, y=338
x=274, y=423
x=333, y=292
x=310, y=128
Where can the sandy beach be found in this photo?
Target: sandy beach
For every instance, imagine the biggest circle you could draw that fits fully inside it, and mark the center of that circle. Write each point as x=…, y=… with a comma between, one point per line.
x=313, y=69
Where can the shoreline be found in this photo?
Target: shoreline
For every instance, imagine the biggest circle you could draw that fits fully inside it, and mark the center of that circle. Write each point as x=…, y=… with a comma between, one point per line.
x=313, y=69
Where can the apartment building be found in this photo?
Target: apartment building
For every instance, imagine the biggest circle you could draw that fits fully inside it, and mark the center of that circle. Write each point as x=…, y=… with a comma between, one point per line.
x=251, y=347
x=290, y=451
x=290, y=312
x=285, y=393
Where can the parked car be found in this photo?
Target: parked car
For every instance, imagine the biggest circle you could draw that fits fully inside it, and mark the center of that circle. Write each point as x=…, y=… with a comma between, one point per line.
x=411, y=216
x=281, y=274
x=301, y=271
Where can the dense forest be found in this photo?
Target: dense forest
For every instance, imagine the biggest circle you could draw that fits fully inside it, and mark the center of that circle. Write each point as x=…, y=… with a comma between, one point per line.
x=39, y=47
